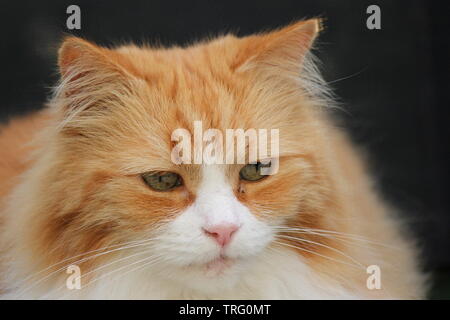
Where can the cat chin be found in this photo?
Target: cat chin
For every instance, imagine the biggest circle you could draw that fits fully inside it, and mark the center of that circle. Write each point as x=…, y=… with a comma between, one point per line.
x=218, y=275
x=219, y=266
x=216, y=268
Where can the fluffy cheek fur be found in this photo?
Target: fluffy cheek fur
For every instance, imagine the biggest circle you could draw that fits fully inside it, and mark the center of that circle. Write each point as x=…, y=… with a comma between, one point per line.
x=86, y=209
x=109, y=209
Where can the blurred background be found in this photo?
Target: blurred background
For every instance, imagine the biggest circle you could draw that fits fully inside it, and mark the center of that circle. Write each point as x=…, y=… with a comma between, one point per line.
x=393, y=82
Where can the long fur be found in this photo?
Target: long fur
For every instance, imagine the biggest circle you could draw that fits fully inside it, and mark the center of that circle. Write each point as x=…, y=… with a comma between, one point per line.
x=71, y=191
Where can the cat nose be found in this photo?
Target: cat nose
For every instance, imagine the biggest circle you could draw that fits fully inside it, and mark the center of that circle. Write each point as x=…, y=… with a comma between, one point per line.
x=221, y=233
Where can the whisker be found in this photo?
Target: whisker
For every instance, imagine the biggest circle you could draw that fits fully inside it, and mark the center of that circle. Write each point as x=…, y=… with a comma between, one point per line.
x=115, y=261
x=331, y=236
x=316, y=253
x=141, y=243
x=141, y=267
x=337, y=234
x=343, y=240
x=109, y=264
x=80, y=255
x=155, y=259
x=325, y=246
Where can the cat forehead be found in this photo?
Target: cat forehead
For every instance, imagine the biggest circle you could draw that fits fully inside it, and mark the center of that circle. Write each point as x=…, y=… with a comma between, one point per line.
x=185, y=85
x=187, y=91
x=191, y=65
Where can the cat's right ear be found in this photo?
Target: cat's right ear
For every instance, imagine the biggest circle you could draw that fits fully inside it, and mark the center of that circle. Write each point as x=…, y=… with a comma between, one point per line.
x=78, y=57
x=90, y=73
x=70, y=53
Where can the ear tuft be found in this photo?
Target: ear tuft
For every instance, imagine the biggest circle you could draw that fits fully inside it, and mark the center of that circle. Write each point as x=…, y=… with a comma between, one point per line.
x=321, y=23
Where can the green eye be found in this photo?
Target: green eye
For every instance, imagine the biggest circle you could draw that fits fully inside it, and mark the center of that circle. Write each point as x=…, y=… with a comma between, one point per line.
x=252, y=172
x=161, y=180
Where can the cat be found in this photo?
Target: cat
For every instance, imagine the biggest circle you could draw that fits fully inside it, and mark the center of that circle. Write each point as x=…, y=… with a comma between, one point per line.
x=92, y=207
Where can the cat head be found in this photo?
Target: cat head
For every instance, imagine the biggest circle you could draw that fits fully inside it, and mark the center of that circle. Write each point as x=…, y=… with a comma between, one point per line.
x=111, y=178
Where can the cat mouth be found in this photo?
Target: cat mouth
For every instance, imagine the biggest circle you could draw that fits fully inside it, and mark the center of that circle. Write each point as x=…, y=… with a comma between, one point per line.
x=219, y=265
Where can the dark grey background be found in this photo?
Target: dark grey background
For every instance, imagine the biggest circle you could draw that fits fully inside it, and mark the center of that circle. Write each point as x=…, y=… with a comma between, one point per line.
x=394, y=82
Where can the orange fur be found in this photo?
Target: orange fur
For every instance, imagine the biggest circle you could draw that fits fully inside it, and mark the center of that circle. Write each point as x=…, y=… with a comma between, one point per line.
x=111, y=120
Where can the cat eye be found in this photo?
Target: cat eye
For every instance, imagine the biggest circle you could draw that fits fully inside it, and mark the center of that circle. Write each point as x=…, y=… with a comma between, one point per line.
x=162, y=180
x=252, y=172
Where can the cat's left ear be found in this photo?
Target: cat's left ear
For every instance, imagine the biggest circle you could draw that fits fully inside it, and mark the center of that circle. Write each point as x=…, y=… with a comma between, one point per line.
x=283, y=49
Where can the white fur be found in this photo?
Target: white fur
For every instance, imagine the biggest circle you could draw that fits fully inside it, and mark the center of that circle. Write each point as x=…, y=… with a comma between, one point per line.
x=277, y=274
x=178, y=260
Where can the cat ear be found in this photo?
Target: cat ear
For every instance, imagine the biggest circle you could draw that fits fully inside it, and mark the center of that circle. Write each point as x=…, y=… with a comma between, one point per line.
x=90, y=74
x=283, y=49
x=78, y=58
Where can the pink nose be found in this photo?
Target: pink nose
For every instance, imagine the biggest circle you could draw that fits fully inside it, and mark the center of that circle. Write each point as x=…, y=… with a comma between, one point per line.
x=221, y=232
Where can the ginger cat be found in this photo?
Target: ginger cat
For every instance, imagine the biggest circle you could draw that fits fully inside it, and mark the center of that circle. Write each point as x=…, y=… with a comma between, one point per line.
x=89, y=182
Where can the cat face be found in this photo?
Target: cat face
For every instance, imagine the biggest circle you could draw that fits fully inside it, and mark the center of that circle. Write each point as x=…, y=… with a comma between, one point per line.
x=117, y=111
